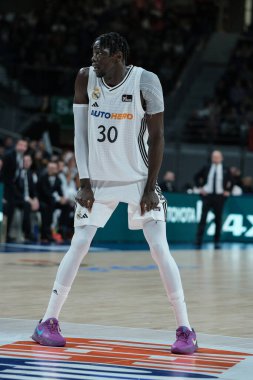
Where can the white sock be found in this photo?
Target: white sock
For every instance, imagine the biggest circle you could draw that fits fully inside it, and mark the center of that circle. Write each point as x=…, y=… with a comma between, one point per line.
x=155, y=234
x=57, y=299
x=68, y=269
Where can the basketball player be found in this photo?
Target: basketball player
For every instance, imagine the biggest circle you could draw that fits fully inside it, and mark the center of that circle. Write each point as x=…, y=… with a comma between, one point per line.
x=119, y=142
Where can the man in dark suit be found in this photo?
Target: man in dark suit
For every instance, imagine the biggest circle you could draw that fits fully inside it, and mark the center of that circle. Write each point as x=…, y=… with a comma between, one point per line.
x=26, y=195
x=12, y=164
x=51, y=198
x=215, y=183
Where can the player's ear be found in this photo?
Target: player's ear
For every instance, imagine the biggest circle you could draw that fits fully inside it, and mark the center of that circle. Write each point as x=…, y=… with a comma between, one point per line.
x=119, y=56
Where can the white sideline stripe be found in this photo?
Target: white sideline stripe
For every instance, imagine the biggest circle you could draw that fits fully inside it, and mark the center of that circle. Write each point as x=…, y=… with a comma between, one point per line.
x=55, y=248
x=179, y=368
x=60, y=370
x=139, y=345
x=89, y=366
x=71, y=376
x=20, y=377
x=16, y=377
x=80, y=370
x=77, y=350
x=8, y=353
x=95, y=347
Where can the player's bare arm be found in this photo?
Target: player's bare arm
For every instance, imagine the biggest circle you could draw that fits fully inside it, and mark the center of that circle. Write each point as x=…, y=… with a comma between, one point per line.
x=84, y=196
x=155, y=125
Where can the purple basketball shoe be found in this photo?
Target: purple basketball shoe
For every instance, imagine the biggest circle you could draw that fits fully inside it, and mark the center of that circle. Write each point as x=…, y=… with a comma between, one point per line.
x=186, y=342
x=48, y=333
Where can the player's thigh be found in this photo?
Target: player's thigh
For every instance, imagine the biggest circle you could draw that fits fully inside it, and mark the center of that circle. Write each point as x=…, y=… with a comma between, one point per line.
x=98, y=216
x=136, y=220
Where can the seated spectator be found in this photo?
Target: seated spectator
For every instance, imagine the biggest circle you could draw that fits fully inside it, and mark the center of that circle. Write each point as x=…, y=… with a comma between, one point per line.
x=69, y=190
x=39, y=163
x=237, y=181
x=1, y=166
x=51, y=198
x=168, y=183
x=204, y=121
x=189, y=188
x=247, y=185
x=69, y=187
x=26, y=196
x=70, y=162
x=8, y=144
x=2, y=150
x=12, y=164
x=231, y=117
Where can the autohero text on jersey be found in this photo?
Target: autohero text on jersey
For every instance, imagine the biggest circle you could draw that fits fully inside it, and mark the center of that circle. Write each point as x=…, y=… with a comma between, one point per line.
x=115, y=116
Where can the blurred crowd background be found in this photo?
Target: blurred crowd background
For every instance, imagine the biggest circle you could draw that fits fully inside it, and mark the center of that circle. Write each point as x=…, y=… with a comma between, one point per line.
x=202, y=51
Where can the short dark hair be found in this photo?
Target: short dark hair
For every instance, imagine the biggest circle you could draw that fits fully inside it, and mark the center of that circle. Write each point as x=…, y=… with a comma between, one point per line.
x=114, y=42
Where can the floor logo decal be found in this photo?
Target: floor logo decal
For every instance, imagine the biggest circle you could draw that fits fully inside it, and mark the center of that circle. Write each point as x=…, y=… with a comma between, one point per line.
x=111, y=359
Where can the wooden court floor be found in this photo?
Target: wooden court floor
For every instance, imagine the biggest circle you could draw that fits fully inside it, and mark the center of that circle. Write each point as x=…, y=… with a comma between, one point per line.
x=123, y=288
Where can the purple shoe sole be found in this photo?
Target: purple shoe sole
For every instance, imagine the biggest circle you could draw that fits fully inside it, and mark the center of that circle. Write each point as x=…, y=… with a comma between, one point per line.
x=46, y=342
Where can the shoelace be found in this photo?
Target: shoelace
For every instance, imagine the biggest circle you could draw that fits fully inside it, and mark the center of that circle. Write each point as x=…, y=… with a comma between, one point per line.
x=53, y=327
x=183, y=335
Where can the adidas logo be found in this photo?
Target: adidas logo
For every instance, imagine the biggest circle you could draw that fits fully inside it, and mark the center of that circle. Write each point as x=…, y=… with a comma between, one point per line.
x=95, y=105
x=79, y=215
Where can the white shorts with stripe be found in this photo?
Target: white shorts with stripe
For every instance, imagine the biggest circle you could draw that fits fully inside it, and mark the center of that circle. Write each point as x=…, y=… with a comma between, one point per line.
x=107, y=197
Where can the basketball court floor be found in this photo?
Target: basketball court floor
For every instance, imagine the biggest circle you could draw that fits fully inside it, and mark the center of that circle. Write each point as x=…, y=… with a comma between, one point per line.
x=117, y=320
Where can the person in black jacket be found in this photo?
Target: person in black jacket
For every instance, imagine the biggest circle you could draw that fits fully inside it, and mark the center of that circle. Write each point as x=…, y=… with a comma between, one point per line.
x=51, y=198
x=215, y=183
x=168, y=182
x=26, y=195
x=12, y=164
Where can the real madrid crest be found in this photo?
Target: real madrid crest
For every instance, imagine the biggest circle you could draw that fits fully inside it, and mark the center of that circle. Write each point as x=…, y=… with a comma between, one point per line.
x=96, y=93
x=79, y=214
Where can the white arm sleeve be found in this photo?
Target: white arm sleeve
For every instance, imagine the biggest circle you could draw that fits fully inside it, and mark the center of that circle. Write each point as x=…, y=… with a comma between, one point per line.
x=152, y=92
x=81, y=139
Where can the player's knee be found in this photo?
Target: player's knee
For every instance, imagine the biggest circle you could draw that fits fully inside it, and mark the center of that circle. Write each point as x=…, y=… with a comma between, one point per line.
x=156, y=246
x=81, y=240
x=158, y=252
x=83, y=235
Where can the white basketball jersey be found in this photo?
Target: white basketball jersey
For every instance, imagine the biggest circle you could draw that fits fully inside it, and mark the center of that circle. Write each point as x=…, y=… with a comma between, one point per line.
x=117, y=130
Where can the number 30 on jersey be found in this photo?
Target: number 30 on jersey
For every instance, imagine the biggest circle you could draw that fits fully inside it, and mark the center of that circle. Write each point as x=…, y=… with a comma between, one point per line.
x=110, y=134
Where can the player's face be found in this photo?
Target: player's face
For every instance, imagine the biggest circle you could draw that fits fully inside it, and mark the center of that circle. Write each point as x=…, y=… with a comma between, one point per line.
x=102, y=62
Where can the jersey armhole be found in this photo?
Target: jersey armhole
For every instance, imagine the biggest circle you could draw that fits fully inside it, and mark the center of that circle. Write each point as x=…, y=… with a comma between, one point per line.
x=139, y=106
x=90, y=85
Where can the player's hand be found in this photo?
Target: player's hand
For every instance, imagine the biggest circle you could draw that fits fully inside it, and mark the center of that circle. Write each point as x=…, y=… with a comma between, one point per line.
x=85, y=198
x=149, y=201
x=203, y=192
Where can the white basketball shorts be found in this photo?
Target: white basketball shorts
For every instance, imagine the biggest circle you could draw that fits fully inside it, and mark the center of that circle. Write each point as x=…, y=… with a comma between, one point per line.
x=107, y=197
